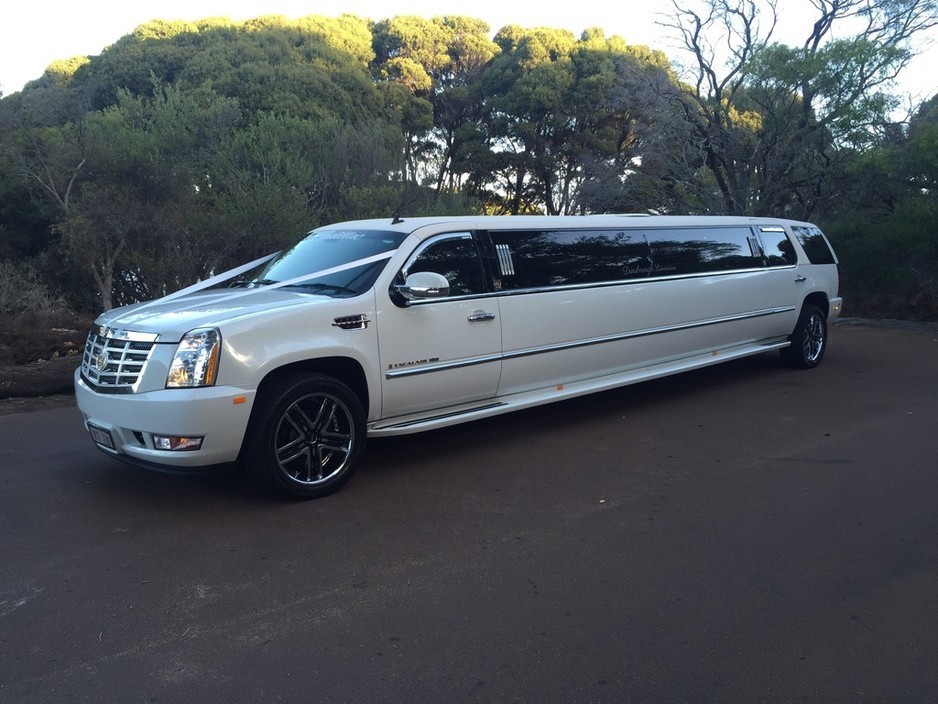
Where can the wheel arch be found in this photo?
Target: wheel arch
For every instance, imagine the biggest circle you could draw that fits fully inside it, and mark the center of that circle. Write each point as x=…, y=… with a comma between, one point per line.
x=819, y=299
x=344, y=369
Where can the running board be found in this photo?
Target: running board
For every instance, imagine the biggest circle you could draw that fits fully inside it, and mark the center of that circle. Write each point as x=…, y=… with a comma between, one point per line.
x=417, y=422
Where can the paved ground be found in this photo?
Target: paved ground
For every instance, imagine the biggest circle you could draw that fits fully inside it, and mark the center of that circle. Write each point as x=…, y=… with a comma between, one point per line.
x=741, y=534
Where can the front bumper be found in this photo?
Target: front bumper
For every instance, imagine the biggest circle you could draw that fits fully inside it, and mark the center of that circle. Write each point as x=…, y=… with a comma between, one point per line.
x=220, y=414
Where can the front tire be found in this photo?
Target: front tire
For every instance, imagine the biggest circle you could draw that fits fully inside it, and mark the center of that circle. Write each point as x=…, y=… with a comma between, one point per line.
x=808, y=341
x=306, y=435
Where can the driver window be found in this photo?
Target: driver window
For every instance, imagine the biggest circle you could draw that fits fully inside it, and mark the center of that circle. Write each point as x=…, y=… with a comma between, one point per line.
x=456, y=258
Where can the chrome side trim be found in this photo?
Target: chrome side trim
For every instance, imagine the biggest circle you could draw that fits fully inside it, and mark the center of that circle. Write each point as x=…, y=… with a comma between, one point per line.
x=647, y=332
x=536, y=397
x=559, y=347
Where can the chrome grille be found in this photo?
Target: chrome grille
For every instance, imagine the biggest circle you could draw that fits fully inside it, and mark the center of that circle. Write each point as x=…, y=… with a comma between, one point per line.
x=114, y=360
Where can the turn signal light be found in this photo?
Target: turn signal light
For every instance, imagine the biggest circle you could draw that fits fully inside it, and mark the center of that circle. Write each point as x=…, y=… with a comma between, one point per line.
x=173, y=442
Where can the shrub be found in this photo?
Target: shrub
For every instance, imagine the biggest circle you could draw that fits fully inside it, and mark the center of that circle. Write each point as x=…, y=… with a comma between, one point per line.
x=22, y=292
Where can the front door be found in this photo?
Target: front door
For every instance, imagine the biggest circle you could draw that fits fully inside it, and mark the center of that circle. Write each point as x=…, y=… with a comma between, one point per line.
x=441, y=352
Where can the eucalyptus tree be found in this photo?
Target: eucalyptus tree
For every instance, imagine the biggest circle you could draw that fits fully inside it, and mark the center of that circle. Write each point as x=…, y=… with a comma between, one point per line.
x=188, y=145
x=126, y=224
x=527, y=114
x=568, y=121
x=885, y=219
x=768, y=118
x=427, y=68
x=638, y=141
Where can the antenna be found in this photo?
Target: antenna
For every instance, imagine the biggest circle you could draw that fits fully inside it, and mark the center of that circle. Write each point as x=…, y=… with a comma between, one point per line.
x=408, y=198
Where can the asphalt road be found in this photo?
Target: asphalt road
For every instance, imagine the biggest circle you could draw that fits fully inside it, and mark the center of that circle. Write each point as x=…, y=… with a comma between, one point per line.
x=745, y=533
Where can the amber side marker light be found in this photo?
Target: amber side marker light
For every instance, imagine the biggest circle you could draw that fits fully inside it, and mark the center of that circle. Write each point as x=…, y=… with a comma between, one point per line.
x=239, y=399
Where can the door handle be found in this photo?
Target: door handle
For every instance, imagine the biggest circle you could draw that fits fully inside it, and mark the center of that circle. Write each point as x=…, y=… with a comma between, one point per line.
x=480, y=316
x=800, y=279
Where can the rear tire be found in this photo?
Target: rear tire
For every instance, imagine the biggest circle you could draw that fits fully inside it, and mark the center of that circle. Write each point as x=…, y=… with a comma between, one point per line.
x=305, y=436
x=808, y=341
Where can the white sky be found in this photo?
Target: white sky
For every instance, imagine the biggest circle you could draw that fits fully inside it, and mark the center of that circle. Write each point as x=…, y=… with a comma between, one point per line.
x=34, y=33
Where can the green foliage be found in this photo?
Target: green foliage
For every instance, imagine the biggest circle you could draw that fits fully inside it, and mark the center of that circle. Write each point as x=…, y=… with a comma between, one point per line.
x=188, y=147
x=884, y=224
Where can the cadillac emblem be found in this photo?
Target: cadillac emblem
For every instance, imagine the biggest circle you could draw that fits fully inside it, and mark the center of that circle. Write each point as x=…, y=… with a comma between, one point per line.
x=100, y=362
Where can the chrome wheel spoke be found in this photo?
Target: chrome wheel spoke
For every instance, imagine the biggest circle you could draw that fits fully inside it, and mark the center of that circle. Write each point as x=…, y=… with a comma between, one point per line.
x=814, y=338
x=292, y=450
x=335, y=440
x=314, y=439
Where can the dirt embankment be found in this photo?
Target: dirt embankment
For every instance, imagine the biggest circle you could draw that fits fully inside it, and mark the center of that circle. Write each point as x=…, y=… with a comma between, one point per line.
x=38, y=357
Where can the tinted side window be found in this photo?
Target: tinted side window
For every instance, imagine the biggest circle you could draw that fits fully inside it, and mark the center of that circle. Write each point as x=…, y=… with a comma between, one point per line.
x=456, y=258
x=814, y=245
x=778, y=249
x=538, y=259
x=696, y=250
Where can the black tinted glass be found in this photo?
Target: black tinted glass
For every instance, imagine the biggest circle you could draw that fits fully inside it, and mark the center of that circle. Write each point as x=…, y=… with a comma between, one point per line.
x=458, y=260
x=535, y=259
x=696, y=250
x=814, y=245
x=779, y=250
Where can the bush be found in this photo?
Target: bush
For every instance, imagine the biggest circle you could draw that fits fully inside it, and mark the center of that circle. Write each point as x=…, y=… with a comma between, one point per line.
x=22, y=292
x=891, y=267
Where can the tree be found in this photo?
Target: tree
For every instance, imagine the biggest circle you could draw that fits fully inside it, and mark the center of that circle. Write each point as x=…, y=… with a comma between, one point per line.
x=144, y=158
x=883, y=224
x=640, y=141
x=566, y=118
x=457, y=103
x=423, y=67
x=768, y=118
x=526, y=113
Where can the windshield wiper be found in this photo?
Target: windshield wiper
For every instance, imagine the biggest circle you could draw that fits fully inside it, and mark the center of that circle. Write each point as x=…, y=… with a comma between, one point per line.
x=319, y=286
x=251, y=283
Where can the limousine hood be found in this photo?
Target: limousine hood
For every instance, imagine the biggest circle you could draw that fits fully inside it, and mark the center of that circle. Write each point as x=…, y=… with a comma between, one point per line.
x=171, y=319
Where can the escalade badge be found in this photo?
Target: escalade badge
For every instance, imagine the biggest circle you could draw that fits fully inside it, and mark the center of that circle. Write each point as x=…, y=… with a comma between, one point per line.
x=413, y=363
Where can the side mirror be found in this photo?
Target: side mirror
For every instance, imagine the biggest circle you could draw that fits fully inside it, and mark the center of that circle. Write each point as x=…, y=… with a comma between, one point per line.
x=424, y=284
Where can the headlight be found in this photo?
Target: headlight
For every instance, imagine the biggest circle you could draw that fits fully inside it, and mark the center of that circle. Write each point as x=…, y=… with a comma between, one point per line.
x=196, y=360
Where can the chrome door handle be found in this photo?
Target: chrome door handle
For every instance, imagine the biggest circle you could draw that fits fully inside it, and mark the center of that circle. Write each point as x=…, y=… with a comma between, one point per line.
x=480, y=316
x=800, y=279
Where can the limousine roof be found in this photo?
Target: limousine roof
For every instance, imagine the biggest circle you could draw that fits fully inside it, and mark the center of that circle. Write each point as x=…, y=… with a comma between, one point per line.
x=523, y=222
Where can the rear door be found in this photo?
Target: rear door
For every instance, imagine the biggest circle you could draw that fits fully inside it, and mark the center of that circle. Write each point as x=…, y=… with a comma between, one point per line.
x=561, y=321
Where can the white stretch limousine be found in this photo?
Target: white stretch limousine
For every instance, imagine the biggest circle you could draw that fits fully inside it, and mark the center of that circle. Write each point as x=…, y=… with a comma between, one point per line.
x=384, y=327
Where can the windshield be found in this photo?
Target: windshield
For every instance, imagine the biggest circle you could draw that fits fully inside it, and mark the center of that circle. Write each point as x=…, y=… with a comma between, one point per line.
x=326, y=249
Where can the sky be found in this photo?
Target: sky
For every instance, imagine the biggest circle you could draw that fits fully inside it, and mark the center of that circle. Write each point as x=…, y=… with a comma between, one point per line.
x=35, y=33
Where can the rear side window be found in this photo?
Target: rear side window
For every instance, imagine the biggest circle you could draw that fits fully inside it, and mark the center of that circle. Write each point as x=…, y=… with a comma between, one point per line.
x=699, y=250
x=539, y=259
x=778, y=249
x=814, y=245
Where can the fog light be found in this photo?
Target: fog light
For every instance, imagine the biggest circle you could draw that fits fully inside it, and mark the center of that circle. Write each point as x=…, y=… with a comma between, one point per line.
x=173, y=442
